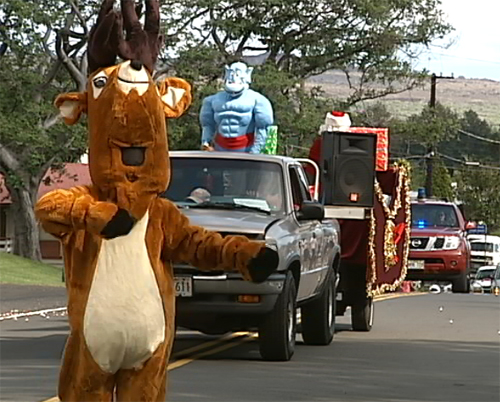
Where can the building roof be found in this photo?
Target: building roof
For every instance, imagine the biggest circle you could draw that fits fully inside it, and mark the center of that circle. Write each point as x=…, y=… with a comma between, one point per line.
x=75, y=174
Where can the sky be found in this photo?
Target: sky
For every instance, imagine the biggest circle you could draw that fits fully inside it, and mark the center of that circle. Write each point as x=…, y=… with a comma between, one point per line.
x=475, y=48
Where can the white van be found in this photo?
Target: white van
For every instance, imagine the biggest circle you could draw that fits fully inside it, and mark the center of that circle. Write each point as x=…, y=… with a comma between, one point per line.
x=485, y=250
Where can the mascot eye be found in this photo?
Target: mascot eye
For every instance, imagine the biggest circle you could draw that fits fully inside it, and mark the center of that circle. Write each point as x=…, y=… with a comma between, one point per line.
x=100, y=82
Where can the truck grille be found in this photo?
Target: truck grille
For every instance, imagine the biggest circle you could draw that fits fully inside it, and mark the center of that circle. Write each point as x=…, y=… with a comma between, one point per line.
x=481, y=258
x=419, y=243
x=439, y=243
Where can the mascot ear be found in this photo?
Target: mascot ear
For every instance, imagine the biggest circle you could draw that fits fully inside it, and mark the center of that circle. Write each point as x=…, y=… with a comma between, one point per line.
x=71, y=106
x=176, y=96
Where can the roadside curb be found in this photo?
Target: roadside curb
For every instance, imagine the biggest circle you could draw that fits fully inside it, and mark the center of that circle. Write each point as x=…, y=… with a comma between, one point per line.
x=43, y=313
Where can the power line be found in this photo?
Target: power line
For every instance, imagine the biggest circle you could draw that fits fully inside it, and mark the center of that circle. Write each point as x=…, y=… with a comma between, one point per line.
x=477, y=137
x=467, y=163
x=467, y=58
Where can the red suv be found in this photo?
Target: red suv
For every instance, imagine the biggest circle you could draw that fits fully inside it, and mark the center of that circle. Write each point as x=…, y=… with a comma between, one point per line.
x=439, y=250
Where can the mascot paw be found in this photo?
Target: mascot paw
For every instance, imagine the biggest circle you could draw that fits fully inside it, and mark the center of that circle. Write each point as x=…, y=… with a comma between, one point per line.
x=120, y=225
x=263, y=265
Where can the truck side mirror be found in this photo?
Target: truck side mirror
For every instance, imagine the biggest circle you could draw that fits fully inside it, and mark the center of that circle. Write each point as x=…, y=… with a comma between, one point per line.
x=311, y=210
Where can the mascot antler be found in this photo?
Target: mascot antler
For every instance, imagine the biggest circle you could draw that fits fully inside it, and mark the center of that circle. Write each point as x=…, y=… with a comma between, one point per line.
x=140, y=45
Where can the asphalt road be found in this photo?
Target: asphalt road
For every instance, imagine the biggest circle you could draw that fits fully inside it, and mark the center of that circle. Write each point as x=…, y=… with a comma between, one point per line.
x=438, y=348
x=30, y=297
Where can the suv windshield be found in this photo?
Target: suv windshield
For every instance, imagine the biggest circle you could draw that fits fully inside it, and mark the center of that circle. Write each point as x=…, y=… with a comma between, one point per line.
x=433, y=215
x=227, y=184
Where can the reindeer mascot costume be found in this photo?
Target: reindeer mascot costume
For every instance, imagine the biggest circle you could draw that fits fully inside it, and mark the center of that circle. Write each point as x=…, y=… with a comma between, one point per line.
x=119, y=236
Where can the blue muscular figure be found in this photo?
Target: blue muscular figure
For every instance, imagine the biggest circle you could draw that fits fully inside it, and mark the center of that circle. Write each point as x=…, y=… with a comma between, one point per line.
x=237, y=118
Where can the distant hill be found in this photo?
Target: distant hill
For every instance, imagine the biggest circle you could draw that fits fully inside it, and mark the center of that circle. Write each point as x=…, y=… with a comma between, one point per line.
x=480, y=95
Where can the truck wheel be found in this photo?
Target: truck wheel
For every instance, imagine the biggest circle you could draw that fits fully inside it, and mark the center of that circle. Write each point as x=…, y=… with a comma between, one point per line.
x=278, y=329
x=461, y=284
x=318, y=316
x=362, y=314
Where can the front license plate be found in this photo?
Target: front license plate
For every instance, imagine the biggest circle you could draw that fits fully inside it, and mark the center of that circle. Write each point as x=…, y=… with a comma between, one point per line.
x=183, y=286
x=416, y=264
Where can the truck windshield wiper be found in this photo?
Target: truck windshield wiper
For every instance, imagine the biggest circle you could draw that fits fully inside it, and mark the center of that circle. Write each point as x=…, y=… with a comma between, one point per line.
x=228, y=205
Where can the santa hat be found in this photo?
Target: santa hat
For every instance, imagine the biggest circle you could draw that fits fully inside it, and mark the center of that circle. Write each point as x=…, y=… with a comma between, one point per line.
x=336, y=121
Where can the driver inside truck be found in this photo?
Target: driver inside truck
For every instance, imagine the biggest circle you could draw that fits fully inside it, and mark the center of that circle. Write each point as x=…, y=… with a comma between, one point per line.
x=444, y=219
x=198, y=196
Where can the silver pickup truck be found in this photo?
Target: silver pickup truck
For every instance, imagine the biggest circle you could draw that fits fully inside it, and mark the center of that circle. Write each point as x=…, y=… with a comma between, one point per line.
x=266, y=198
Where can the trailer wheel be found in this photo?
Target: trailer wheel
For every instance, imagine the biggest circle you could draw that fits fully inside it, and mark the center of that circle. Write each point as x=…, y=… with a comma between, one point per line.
x=318, y=316
x=362, y=315
x=278, y=329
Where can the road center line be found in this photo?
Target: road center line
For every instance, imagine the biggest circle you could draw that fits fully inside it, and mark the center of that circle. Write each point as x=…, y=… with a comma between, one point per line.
x=389, y=296
x=179, y=363
x=208, y=344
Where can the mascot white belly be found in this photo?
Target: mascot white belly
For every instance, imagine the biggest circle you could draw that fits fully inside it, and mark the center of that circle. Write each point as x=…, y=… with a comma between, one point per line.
x=124, y=320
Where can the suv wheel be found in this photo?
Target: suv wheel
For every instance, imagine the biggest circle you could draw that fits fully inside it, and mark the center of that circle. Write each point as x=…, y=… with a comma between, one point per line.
x=362, y=314
x=318, y=316
x=278, y=329
x=461, y=284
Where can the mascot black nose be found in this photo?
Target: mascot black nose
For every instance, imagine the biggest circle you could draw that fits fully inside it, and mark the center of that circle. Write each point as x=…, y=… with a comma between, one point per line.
x=136, y=65
x=133, y=156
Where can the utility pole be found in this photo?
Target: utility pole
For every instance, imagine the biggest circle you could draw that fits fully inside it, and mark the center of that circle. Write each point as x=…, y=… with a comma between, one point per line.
x=431, y=150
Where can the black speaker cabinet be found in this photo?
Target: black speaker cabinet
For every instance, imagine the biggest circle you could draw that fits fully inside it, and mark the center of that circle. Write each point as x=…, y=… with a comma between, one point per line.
x=348, y=168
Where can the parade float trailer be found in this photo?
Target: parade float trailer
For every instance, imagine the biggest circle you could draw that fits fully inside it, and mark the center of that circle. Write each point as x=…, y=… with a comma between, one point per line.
x=370, y=198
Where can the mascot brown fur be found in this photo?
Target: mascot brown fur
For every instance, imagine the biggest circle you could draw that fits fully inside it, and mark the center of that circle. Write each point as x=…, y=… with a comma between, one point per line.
x=120, y=238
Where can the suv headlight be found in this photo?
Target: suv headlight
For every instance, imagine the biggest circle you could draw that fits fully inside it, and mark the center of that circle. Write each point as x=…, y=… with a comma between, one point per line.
x=451, y=242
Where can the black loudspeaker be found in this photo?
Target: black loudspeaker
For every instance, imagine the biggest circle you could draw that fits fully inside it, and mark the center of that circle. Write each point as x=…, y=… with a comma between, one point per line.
x=348, y=168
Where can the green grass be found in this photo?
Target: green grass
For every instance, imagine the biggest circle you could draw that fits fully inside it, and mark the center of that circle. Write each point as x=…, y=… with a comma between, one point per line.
x=21, y=271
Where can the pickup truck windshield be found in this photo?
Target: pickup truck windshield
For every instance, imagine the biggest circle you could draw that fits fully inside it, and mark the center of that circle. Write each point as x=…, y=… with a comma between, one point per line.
x=433, y=215
x=217, y=182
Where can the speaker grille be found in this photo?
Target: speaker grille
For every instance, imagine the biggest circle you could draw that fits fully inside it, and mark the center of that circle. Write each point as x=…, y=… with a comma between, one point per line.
x=353, y=175
x=348, y=163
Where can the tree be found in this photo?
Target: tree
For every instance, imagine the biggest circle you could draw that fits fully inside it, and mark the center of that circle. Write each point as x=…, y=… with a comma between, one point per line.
x=468, y=148
x=30, y=66
x=373, y=115
x=372, y=41
x=478, y=189
x=427, y=130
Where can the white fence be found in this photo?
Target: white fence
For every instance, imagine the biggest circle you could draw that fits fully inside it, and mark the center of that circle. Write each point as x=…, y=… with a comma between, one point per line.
x=5, y=245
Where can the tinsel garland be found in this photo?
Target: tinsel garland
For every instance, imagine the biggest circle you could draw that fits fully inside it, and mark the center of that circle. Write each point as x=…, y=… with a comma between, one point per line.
x=390, y=246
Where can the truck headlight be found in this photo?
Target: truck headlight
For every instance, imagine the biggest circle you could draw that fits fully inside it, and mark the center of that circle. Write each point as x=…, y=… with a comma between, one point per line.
x=451, y=242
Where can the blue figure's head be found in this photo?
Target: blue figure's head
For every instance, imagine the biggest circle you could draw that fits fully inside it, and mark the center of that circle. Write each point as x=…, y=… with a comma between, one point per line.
x=237, y=78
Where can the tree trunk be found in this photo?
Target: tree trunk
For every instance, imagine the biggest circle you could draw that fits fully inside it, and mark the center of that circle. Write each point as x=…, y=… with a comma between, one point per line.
x=26, y=231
